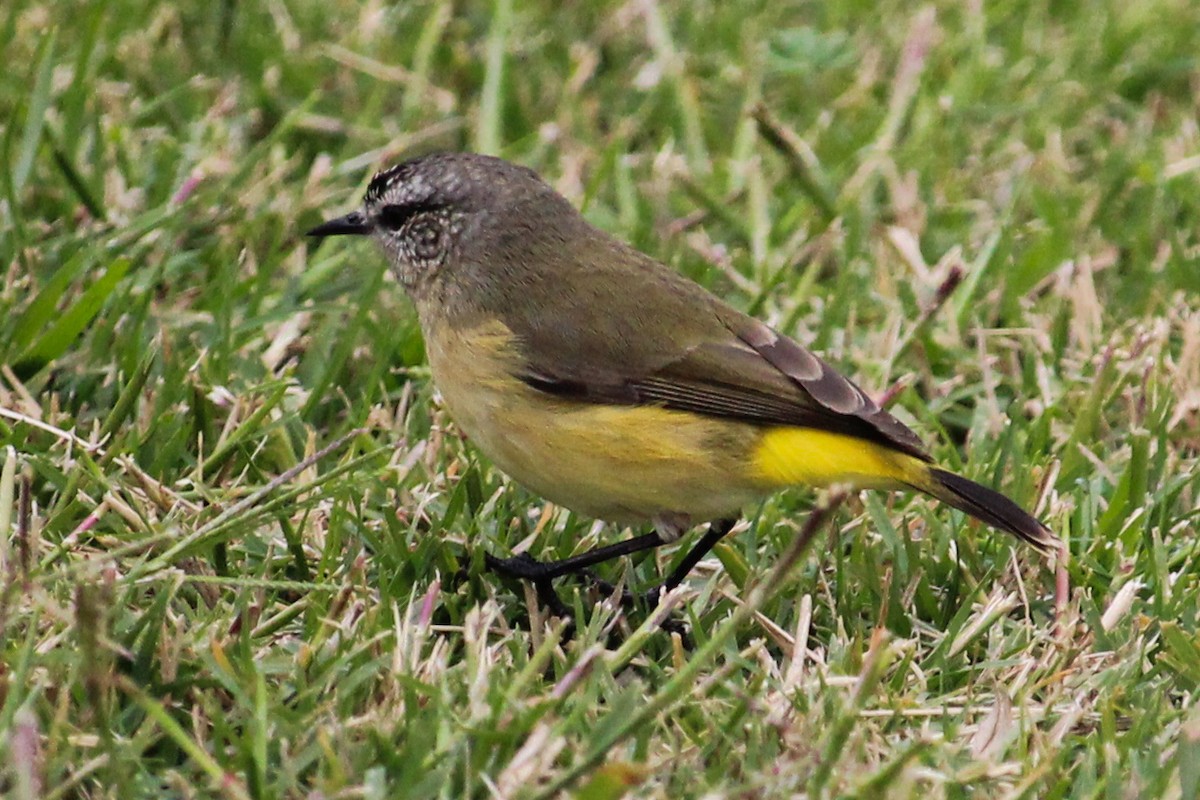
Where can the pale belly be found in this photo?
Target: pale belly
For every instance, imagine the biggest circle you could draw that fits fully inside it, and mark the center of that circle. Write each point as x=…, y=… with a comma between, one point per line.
x=620, y=463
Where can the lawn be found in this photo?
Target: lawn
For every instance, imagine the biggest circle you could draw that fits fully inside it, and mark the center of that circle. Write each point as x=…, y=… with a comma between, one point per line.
x=243, y=543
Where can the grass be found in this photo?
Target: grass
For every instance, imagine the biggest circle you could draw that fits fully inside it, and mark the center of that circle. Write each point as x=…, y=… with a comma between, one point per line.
x=242, y=542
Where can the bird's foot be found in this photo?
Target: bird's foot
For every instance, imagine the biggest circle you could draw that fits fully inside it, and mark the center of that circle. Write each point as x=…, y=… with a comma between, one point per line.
x=526, y=567
x=648, y=600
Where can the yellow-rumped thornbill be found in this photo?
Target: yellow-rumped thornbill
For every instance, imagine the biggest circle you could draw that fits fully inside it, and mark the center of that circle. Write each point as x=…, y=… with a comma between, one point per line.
x=610, y=384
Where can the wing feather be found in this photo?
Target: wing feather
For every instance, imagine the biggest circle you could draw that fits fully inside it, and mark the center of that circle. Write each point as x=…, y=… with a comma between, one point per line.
x=677, y=346
x=761, y=378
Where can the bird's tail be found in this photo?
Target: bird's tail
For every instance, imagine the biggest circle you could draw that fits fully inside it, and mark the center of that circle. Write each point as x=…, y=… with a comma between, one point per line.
x=989, y=506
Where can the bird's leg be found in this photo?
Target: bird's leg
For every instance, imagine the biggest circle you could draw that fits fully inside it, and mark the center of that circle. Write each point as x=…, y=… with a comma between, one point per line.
x=541, y=573
x=716, y=532
x=526, y=567
x=530, y=569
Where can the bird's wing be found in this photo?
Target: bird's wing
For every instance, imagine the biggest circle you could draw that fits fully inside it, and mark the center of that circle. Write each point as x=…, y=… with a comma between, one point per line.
x=750, y=373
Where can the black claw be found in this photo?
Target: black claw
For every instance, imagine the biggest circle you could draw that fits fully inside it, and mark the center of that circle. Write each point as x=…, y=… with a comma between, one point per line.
x=550, y=599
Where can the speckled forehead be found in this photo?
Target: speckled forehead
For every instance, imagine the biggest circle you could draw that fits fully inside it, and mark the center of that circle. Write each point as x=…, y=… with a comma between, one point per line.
x=380, y=183
x=413, y=182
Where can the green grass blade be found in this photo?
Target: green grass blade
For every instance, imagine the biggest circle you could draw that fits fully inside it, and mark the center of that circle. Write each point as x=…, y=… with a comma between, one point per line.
x=489, y=130
x=35, y=113
x=58, y=338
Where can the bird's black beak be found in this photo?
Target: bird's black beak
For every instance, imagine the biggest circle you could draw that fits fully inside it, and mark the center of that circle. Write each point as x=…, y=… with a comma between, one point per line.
x=353, y=224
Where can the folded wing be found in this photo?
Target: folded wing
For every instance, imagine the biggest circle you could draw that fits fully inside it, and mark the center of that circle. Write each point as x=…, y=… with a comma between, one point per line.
x=750, y=374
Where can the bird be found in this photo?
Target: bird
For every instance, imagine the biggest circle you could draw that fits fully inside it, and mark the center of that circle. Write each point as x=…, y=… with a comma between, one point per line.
x=612, y=385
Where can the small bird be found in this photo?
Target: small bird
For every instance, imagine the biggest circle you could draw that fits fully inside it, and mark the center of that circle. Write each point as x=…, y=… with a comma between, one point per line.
x=608, y=383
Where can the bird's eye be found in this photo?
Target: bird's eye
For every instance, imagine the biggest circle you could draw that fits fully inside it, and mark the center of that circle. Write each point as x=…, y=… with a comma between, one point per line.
x=419, y=231
x=394, y=217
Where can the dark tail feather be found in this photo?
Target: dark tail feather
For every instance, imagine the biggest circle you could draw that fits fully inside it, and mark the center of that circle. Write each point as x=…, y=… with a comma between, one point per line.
x=988, y=505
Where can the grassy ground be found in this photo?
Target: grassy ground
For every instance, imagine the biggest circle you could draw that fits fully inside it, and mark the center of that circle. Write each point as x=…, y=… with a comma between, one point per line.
x=242, y=542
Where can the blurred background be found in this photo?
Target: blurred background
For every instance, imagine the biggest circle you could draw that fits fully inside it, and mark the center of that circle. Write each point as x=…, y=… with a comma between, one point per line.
x=242, y=543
